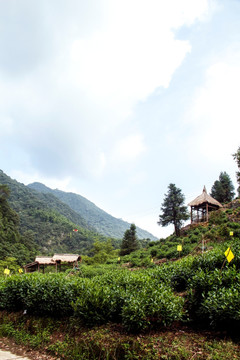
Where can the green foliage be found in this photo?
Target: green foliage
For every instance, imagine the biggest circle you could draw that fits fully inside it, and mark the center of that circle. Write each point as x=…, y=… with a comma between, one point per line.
x=173, y=210
x=97, y=304
x=66, y=340
x=95, y=218
x=221, y=307
x=129, y=242
x=9, y=263
x=96, y=300
x=151, y=306
x=12, y=243
x=213, y=297
x=44, y=224
x=223, y=189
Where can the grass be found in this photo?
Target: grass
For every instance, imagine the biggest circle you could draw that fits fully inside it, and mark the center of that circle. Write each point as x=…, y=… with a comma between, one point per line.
x=68, y=340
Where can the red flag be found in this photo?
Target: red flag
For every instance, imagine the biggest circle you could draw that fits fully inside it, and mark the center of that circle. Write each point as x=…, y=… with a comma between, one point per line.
x=75, y=230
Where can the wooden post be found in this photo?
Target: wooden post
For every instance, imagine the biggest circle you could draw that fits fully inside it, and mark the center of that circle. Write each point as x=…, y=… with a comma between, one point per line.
x=207, y=211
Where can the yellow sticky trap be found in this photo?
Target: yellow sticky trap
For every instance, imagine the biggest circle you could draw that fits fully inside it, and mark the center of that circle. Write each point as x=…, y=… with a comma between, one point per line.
x=231, y=233
x=6, y=271
x=20, y=271
x=179, y=248
x=229, y=255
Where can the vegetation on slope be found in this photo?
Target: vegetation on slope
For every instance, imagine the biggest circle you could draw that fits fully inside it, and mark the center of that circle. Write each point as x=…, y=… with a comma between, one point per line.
x=45, y=223
x=95, y=217
x=12, y=243
x=192, y=238
x=199, y=290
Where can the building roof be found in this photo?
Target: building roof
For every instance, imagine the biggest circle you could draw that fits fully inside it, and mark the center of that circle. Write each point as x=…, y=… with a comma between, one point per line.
x=44, y=260
x=66, y=257
x=204, y=198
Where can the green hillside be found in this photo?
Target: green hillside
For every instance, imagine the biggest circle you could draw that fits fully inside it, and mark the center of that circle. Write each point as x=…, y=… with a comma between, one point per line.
x=174, y=307
x=12, y=243
x=194, y=239
x=95, y=217
x=47, y=222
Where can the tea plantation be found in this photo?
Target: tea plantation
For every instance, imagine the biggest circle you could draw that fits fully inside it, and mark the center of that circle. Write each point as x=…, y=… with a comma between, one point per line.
x=114, y=311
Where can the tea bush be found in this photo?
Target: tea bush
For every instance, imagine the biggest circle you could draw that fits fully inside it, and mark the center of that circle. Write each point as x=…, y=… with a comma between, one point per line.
x=149, y=306
x=49, y=294
x=137, y=298
x=204, y=283
x=182, y=273
x=13, y=291
x=98, y=304
x=221, y=308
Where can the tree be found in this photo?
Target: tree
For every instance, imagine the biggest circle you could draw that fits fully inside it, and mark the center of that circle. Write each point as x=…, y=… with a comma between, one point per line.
x=236, y=157
x=129, y=242
x=223, y=189
x=173, y=210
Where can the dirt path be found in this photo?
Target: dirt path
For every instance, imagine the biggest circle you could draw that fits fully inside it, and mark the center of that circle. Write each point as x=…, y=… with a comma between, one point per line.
x=7, y=355
x=10, y=351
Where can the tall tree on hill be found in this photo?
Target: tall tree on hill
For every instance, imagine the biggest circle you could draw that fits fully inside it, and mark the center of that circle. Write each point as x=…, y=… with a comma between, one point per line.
x=223, y=189
x=236, y=157
x=129, y=242
x=173, y=209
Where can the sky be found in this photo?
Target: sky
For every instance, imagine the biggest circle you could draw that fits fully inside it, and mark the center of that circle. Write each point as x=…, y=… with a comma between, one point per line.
x=116, y=99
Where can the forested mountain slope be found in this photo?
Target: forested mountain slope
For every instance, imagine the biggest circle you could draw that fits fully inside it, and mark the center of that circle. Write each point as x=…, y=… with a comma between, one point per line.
x=95, y=217
x=12, y=243
x=47, y=221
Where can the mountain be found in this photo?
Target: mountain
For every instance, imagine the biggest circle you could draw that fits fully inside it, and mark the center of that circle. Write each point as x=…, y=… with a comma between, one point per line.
x=95, y=217
x=45, y=223
x=48, y=222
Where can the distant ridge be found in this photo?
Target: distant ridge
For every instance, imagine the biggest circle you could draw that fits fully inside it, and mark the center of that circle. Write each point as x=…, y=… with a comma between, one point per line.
x=95, y=217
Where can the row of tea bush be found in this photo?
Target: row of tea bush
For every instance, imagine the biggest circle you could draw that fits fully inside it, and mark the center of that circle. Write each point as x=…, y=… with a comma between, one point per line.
x=195, y=289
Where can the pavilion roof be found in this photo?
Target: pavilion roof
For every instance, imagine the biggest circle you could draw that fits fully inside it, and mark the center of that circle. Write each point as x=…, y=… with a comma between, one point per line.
x=204, y=198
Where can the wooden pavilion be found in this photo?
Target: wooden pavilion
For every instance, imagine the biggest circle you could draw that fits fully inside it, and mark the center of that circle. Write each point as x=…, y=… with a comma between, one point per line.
x=56, y=260
x=202, y=206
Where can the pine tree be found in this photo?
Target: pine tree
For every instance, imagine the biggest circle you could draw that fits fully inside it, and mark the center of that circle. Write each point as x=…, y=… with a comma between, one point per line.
x=223, y=189
x=129, y=242
x=173, y=210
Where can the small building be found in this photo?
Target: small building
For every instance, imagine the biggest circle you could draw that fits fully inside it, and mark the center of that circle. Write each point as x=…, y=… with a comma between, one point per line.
x=56, y=260
x=66, y=258
x=202, y=206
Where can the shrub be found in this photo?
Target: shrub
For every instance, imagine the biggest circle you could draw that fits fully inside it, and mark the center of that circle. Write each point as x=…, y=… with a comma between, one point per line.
x=52, y=294
x=151, y=306
x=13, y=291
x=203, y=283
x=98, y=304
x=221, y=308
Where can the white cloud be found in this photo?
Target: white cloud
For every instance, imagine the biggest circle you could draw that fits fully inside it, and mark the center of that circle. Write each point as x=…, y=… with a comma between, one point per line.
x=215, y=112
x=129, y=148
x=135, y=52
x=53, y=183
